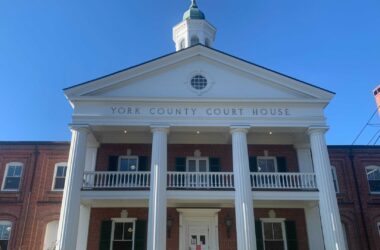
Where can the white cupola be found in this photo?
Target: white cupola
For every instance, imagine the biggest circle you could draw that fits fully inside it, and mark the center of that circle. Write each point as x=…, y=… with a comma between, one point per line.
x=194, y=29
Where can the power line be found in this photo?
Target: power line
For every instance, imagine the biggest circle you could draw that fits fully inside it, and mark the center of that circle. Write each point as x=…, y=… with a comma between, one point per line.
x=365, y=125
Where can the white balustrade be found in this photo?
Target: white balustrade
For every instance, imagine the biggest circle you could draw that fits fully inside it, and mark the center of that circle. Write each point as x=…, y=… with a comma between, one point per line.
x=108, y=179
x=271, y=180
x=200, y=180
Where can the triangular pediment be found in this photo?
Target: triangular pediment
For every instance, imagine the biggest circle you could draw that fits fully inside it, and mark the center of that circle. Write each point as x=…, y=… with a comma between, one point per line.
x=169, y=77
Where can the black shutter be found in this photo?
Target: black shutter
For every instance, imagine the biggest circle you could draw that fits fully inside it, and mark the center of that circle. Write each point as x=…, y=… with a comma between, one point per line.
x=253, y=163
x=105, y=235
x=144, y=163
x=140, y=235
x=259, y=235
x=180, y=164
x=113, y=161
x=281, y=164
x=291, y=235
x=214, y=164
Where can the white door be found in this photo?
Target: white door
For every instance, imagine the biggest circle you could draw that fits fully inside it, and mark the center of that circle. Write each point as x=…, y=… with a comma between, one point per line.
x=198, y=238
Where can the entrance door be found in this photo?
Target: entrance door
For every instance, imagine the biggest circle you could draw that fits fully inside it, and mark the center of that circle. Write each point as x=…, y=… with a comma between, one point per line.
x=198, y=238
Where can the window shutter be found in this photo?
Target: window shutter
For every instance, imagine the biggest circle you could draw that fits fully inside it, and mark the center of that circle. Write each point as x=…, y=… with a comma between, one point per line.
x=214, y=164
x=253, y=163
x=112, y=163
x=144, y=163
x=291, y=235
x=140, y=235
x=281, y=164
x=259, y=235
x=180, y=164
x=105, y=235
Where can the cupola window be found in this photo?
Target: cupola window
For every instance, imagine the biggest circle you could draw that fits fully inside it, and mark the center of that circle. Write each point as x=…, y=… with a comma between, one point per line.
x=194, y=40
x=199, y=82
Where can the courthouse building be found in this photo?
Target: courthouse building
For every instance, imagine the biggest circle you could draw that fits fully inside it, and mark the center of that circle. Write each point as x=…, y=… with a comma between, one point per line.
x=194, y=150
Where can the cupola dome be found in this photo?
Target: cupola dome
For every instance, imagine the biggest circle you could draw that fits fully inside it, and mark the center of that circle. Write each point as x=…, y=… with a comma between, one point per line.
x=193, y=12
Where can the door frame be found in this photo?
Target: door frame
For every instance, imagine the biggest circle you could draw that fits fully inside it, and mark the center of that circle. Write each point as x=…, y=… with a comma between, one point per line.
x=202, y=217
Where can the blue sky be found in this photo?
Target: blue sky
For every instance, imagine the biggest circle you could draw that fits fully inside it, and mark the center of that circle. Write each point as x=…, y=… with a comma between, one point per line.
x=48, y=45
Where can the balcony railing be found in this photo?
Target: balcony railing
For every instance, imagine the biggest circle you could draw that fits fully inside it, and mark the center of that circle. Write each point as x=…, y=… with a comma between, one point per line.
x=199, y=180
x=116, y=180
x=270, y=180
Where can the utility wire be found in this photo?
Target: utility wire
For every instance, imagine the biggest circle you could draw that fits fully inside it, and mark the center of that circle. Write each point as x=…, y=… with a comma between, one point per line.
x=373, y=137
x=365, y=125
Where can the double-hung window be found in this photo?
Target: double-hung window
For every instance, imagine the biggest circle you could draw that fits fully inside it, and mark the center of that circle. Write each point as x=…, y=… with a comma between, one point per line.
x=266, y=164
x=128, y=163
x=273, y=231
x=59, y=176
x=5, y=234
x=373, y=177
x=123, y=234
x=12, y=176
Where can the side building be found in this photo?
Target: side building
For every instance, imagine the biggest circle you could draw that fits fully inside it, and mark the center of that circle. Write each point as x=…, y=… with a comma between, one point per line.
x=33, y=175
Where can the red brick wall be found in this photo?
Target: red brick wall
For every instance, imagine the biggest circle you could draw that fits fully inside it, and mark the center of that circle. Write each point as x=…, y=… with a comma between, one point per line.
x=35, y=204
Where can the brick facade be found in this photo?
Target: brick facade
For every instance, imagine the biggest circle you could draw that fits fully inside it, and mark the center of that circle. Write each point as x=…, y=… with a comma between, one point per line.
x=36, y=204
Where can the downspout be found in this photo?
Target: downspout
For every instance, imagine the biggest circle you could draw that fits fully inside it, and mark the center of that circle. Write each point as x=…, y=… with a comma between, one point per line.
x=36, y=156
x=351, y=156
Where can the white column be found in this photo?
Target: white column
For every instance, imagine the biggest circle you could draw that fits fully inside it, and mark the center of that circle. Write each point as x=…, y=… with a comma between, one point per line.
x=84, y=223
x=245, y=227
x=328, y=205
x=314, y=228
x=69, y=217
x=157, y=197
x=305, y=163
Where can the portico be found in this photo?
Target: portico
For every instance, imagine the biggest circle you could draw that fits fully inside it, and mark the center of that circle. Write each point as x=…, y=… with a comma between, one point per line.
x=201, y=144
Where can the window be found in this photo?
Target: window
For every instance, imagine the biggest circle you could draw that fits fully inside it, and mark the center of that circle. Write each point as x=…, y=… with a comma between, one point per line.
x=266, y=164
x=59, y=176
x=198, y=82
x=12, y=177
x=378, y=227
x=128, y=163
x=51, y=235
x=335, y=179
x=273, y=231
x=207, y=42
x=373, y=176
x=194, y=40
x=123, y=234
x=197, y=165
x=5, y=234
x=345, y=235
x=182, y=44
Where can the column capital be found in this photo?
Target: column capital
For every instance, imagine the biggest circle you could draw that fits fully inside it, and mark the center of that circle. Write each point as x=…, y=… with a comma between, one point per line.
x=241, y=129
x=160, y=128
x=317, y=129
x=80, y=127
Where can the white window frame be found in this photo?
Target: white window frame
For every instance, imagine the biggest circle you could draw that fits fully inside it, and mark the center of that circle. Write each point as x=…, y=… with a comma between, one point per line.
x=13, y=164
x=371, y=167
x=60, y=164
x=7, y=223
x=197, y=159
x=335, y=179
x=274, y=220
x=128, y=157
x=123, y=220
x=267, y=158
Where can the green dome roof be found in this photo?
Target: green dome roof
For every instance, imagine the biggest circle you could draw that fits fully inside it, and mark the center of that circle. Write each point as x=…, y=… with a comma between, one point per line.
x=193, y=12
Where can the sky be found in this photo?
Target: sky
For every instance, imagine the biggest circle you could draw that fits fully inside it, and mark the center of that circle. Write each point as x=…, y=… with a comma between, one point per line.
x=48, y=45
